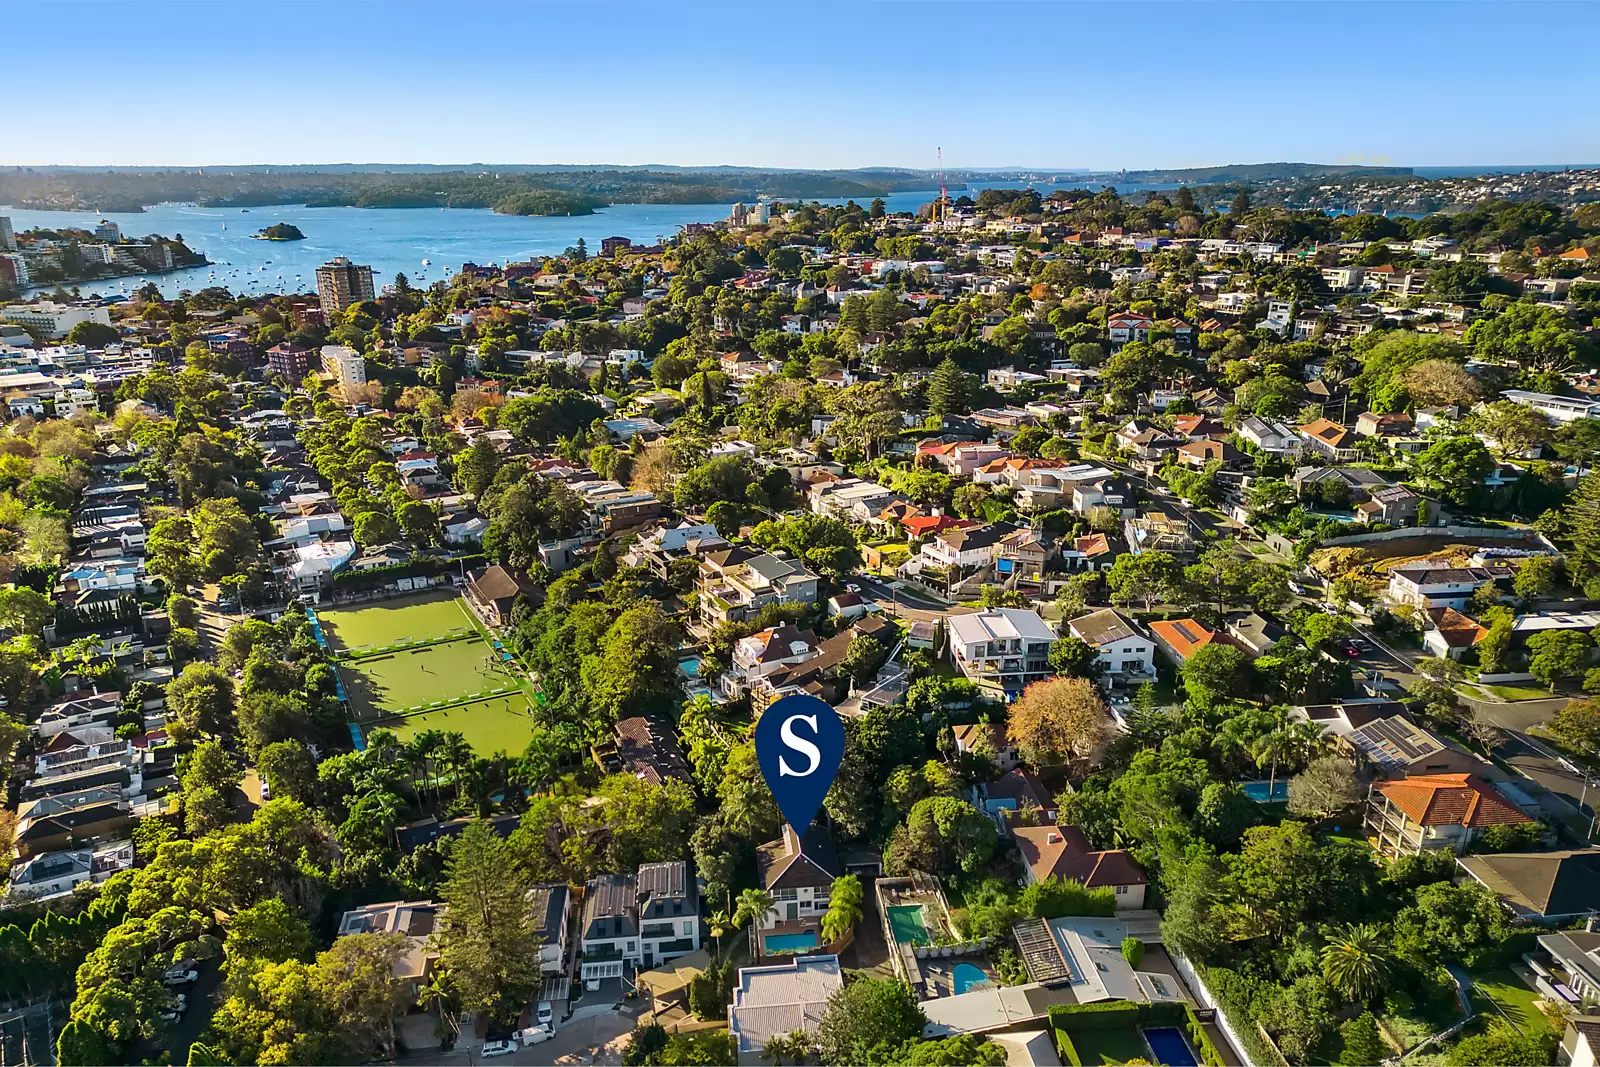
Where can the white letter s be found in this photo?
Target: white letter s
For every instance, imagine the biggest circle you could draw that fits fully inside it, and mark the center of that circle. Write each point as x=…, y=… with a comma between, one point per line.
x=799, y=744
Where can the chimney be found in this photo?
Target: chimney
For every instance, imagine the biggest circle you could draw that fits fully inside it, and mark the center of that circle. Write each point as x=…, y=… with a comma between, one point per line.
x=1051, y=837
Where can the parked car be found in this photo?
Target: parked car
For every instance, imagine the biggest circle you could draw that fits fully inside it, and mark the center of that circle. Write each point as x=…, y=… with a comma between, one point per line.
x=177, y=976
x=535, y=1034
x=266, y=790
x=547, y=1014
x=499, y=1048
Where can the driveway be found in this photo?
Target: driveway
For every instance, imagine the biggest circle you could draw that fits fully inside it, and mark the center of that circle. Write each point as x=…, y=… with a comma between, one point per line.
x=595, y=1039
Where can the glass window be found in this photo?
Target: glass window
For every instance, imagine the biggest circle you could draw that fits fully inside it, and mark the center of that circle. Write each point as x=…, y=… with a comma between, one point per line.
x=688, y=927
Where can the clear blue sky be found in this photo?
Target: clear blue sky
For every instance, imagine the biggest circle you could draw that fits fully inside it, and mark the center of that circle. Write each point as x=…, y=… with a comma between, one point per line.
x=770, y=83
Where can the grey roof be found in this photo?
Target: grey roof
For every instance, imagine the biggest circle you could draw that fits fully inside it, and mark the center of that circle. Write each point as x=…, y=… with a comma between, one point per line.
x=610, y=907
x=668, y=889
x=546, y=903
x=1544, y=884
x=1103, y=627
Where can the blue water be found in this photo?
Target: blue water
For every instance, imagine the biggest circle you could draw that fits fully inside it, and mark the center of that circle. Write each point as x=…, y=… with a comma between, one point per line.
x=1170, y=1047
x=965, y=976
x=1259, y=791
x=689, y=667
x=791, y=942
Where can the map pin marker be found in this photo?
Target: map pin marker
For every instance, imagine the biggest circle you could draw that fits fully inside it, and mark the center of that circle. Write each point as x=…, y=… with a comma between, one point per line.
x=799, y=743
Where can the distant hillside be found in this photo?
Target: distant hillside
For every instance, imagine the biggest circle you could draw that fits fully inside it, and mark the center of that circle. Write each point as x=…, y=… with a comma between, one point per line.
x=1250, y=172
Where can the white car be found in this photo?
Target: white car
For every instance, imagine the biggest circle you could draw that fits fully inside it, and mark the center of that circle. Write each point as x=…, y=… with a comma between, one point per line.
x=266, y=790
x=547, y=1014
x=498, y=1048
x=535, y=1034
x=180, y=976
x=852, y=587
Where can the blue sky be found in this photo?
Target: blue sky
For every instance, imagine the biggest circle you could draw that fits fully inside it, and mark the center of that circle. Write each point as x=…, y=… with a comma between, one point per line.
x=822, y=84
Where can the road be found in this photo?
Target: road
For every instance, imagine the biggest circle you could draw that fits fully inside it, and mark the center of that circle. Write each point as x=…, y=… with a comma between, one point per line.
x=907, y=602
x=598, y=1039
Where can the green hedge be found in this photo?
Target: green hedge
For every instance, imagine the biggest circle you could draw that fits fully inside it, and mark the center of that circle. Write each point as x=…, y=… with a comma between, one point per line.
x=1102, y=1015
x=1201, y=1040
x=1165, y=1013
x=1067, y=1050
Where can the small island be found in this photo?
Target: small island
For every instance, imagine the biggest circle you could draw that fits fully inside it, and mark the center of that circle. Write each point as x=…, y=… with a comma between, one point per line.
x=281, y=231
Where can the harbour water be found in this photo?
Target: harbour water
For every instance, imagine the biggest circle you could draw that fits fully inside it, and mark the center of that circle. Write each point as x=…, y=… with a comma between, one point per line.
x=426, y=244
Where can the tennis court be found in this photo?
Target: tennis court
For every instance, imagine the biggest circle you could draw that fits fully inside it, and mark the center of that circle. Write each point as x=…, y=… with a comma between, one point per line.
x=403, y=619
x=499, y=724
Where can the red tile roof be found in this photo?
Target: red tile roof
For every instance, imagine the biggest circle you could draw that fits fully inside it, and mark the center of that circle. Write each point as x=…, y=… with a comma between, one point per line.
x=1183, y=636
x=1063, y=852
x=1450, y=800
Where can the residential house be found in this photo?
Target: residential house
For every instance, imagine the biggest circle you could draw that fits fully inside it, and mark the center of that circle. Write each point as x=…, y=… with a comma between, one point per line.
x=1014, y=791
x=1408, y=815
x=68, y=820
x=1434, y=585
x=1203, y=452
x=798, y=872
x=851, y=499
x=1145, y=441
x=1112, y=493
x=1064, y=852
x=1329, y=439
x=1580, y=1042
x=609, y=942
x=551, y=908
x=734, y=585
x=1450, y=634
x=959, y=459
x=417, y=920
x=1005, y=649
x=1094, y=552
x=1255, y=634
x=53, y=875
x=987, y=739
x=1181, y=638
x=646, y=749
x=764, y=653
x=1541, y=887
x=1128, y=326
x=1124, y=653
x=1392, y=746
x=669, y=912
x=493, y=591
x=1559, y=408
x=1572, y=960
x=1337, y=484
x=780, y=999
x=1391, y=424
x=1392, y=504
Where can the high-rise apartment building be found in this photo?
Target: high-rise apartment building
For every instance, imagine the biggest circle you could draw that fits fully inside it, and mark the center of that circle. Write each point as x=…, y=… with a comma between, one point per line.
x=341, y=283
x=8, y=236
x=344, y=363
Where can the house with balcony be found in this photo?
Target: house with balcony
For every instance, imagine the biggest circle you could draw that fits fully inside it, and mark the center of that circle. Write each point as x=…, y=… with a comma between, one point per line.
x=959, y=459
x=734, y=585
x=1123, y=653
x=1329, y=439
x=1002, y=651
x=987, y=739
x=417, y=921
x=1392, y=504
x=766, y=653
x=609, y=941
x=1434, y=585
x=798, y=871
x=956, y=559
x=669, y=912
x=1406, y=816
x=551, y=908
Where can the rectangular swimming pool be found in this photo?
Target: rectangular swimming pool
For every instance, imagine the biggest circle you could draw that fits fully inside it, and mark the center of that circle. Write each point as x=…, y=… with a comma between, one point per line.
x=1170, y=1047
x=905, y=922
x=791, y=942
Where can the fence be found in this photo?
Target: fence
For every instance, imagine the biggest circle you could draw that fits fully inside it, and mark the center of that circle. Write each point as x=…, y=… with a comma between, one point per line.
x=1191, y=976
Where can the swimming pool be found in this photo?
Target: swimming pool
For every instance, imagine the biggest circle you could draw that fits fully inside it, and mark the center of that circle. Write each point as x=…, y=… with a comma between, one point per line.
x=905, y=922
x=791, y=942
x=965, y=976
x=1170, y=1047
x=1266, y=792
x=689, y=668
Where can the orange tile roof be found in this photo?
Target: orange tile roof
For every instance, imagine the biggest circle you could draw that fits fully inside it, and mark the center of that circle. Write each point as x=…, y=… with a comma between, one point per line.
x=1063, y=851
x=1450, y=800
x=1325, y=430
x=1184, y=636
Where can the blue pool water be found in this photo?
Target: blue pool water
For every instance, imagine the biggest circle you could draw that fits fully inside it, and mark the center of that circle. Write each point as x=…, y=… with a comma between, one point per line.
x=690, y=667
x=1170, y=1047
x=1259, y=791
x=965, y=976
x=791, y=942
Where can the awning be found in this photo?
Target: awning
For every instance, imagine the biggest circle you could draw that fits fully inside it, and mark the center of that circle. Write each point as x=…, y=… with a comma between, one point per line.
x=672, y=979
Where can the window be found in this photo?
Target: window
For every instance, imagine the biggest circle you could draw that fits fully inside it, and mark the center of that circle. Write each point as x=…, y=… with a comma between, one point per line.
x=688, y=927
x=1121, y=889
x=633, y=946
x=785, y=894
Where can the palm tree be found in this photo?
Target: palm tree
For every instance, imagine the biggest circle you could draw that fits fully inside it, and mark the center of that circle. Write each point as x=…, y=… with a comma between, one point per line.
x=721, y=922
x=844, y=908
x=439, y=995
x=1272, y=749
x=753, y=907
x=1353, y=961
x=777, y=1047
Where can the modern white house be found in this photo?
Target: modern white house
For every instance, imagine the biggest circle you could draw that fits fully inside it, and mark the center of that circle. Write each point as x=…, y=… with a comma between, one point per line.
x=1269, y=435
x=1559, y=408
x=1124, y=652
x=1434, y=585
x=1005, y=649
x=551, y=907
x=777, y=999
x=669, y=912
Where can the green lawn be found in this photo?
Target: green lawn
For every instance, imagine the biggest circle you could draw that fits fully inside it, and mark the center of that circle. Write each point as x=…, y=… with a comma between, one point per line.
x=1109, y=1046
x=1517, y=692
x=421, y=676
x=407, y=618
x=500, y=724
x=1504, y=990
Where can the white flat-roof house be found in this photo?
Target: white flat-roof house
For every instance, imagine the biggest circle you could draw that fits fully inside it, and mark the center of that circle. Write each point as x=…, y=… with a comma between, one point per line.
x=1433, y=585
x=778, y=999
x=1559, y=408
x=1005, y=649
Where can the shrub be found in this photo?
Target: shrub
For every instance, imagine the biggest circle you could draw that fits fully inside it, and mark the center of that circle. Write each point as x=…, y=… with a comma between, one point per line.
x=1133, y=951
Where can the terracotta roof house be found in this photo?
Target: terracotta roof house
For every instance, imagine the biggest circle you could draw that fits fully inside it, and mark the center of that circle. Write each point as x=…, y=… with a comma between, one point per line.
x=799, y=872
x=1328, y=438
x=1452, y=633
x=1372, y=424
x=1543, y=887
x=1063, y=852
x=1181, y=638
x=1430, y=811
x=649, y=751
